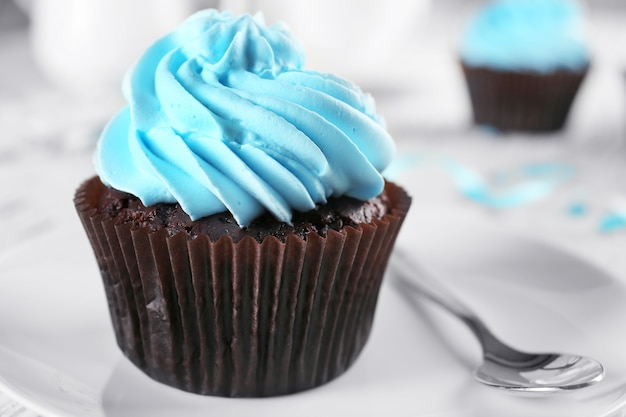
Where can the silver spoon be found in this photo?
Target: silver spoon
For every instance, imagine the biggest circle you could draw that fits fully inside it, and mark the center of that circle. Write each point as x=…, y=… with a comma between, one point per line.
x=503, y=366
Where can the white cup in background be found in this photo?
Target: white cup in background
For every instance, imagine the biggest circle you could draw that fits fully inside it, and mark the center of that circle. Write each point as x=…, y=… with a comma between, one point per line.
x=89, y=44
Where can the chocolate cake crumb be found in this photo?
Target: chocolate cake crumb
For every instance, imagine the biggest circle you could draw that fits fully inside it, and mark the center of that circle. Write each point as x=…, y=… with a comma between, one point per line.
x=336, y=214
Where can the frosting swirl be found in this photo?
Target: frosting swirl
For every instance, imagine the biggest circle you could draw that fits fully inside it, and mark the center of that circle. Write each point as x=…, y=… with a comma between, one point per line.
x=536, y=35
x=222, y=116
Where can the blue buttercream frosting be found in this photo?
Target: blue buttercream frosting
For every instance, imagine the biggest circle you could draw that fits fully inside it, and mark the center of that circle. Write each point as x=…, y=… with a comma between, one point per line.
x=527, y=35
x=222, y=116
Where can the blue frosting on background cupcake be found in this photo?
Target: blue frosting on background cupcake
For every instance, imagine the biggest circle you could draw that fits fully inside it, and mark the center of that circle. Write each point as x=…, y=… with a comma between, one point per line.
x=527, y=35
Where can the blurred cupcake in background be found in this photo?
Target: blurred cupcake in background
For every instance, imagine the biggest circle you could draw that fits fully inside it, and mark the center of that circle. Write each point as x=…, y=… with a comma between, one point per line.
x=524, y=62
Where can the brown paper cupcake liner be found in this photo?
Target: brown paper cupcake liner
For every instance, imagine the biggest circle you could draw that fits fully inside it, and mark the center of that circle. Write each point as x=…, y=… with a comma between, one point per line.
x=241, y=319
x=521, y=101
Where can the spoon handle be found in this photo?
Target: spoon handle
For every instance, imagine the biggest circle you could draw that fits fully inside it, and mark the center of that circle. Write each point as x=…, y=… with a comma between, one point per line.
x=410, y=277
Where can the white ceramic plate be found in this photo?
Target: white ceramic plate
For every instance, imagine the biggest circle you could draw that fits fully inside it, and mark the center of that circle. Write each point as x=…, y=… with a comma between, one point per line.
x=418, y=361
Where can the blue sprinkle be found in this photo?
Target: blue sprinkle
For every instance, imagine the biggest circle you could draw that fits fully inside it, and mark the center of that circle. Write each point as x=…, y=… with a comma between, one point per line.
x=544, y=178
x=577, y=209
x=519, y=187
x=612, y=222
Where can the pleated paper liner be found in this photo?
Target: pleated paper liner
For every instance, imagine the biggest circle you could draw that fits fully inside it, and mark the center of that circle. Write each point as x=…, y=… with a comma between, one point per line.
x=521, y=101
x=241, y=319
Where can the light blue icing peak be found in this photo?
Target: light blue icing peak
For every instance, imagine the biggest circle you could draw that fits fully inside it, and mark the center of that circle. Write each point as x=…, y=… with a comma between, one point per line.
x=222, y=116
x=535, y=35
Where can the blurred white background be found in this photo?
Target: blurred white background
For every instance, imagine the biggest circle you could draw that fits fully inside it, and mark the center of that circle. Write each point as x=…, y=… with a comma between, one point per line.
x=61, y=64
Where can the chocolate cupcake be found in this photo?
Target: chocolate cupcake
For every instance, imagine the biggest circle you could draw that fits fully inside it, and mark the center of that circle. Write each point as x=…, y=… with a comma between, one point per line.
x=524, y=62
x=239, y=217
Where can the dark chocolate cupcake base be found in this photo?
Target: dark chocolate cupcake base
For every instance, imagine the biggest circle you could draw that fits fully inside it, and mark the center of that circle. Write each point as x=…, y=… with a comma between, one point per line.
x=243, y=318
x=521, y=101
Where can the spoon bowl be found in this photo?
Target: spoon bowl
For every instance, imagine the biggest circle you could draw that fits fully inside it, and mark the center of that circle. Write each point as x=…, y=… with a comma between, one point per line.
x=558, y=372
x=503, y=367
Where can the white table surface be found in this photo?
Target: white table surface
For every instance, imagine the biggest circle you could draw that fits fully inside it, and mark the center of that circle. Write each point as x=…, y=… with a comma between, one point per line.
x=425, y=104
